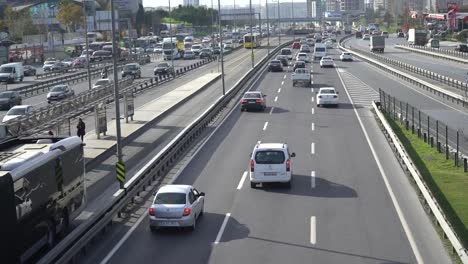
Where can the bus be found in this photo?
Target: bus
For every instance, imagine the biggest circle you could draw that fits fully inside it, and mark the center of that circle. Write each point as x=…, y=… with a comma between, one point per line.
x=171, y=49
x=252, y=42
x=42, y=190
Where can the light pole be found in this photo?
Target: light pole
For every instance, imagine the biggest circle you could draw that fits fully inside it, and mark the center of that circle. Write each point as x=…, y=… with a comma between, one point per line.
x=221, y=43
x=251, y=33
x=116, y=91
x=292, y=17
x=268, y=26
x=52, y=32
x=235, y=17
x=279, y=23
x=170, y=35
x=87, y=45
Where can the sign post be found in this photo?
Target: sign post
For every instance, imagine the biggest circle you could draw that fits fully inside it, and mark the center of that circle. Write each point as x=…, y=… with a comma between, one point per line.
x=129, y=106
x=101, y=119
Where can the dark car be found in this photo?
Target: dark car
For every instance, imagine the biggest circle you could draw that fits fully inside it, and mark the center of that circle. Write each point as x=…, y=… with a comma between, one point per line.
x=461, y=48
x=100, y=55
x=60, y=92
x=59, y=66
x=359, y=34
x=253, y=101
x=240, y=41
x=131, y=69
x=9, y=99
x=298, y=65
x=401, y=35
x=163, y=68
x=284, y=59
x=206, y=53
x=29, y=70
x=275, y=66
x=217, y=50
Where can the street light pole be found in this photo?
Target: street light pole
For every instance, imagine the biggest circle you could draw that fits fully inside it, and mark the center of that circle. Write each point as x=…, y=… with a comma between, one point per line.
x=221, y=43
x=251, y=34
x=116, y=91
x=87, y=45
x=292, y=17
x=172, y=44
x=279, y=23
x=268, y=26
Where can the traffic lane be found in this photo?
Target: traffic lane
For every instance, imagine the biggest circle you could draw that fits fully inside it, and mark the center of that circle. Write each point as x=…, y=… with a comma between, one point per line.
x=443, y=67
x=438, y=108
x=211, y=172
x=348, y=229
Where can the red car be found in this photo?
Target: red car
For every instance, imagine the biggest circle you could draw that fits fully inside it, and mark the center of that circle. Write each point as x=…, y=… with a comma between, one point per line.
x=296, y=45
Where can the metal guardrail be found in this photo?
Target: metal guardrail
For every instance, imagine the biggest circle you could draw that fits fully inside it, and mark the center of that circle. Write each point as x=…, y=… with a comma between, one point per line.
x=456, y=55
x=74, y=243
x=423, y=188
x=55, y=114
x=454, y=97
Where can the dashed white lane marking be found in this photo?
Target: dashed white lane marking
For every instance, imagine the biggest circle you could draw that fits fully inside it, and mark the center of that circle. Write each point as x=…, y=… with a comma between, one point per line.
x=312, y=90
x=242, y=180
x=284, y=76
x=279, y=90
x=312, y=148
x=265, y=126
x=276, y=98
x=312, y=180
x=313, y=110
x=271, y=110
x=313, y=126
x=221, y=230
x=282, y=82
x=312, y=99
x=313, y=230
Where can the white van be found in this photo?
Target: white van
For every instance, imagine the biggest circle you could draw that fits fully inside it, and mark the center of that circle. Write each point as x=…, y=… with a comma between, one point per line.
x=270, y=162
x=12, y=72
x=320, y=50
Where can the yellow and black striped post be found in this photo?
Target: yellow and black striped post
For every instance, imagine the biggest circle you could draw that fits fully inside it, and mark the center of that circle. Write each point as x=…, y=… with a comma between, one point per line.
x=59, y=174
x=120, y=169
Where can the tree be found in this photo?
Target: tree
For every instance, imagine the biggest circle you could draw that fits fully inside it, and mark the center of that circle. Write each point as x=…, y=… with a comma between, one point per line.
x=17, y=23
x=69, y=14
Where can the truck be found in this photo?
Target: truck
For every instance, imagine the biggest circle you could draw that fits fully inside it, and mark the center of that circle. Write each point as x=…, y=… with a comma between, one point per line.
x=301, y=75
x=170, y=49
x=377, y=44
x=42, y=190
x=347, y=29
x=12, y=72
x=417, y=37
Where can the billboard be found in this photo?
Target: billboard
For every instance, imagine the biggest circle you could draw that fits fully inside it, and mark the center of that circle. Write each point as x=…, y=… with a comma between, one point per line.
x=127, y=5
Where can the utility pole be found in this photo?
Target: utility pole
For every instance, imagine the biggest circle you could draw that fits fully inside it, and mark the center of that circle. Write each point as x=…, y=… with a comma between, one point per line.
x=116, y=91
x=292, y=17
x=87, y=44
x=221, y=43
x=268, y=26
x=172, y=44
x=251, y=34
x=279, y=23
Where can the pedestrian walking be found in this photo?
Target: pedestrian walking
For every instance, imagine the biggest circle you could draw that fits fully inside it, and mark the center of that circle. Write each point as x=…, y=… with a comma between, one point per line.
x=81, y=128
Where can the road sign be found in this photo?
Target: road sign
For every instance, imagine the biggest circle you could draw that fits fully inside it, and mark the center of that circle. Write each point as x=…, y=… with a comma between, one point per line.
x=120, y=170
x=101, y=119
x=129, y=106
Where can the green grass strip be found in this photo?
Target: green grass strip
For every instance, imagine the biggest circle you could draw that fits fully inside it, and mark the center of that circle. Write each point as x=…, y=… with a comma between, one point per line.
x=449, y=184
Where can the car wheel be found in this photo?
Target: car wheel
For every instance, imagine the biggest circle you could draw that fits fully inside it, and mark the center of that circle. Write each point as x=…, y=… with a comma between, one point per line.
x=253, y=185
x=318, y=105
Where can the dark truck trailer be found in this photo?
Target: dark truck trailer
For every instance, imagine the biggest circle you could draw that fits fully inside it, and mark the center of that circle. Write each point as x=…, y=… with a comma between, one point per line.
x=41, y=191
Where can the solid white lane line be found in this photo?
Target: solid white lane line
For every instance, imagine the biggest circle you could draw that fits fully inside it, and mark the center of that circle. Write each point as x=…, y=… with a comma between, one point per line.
x=313, y=230
x=313, y=110
x=402, y=218
x=271, y=110
x=279, y=90
x=282, y=82
x=312, y=175
x=312, y=148
x=265, y=126
x=276, y=98
x=221, y=230
x=313, y=126
x=242, y=180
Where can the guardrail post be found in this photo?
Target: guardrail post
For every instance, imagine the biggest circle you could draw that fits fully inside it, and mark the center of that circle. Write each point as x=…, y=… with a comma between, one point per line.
x=428, y=128
x=412, y=119
x=457, y=154
x=419, y=127
x=465, y=165
x=432, y=142
x=446, y=143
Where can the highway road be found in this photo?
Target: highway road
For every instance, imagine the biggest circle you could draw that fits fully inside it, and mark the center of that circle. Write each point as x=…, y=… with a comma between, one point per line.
x=448, y=68
x=350, y=202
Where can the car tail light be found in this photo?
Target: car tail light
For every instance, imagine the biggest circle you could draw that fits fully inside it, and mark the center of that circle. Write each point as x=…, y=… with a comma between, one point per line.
x=335, y=96
x=288, y=165
x=186, y=212
x=151, y=211
x=320, y=96
x=244, y=101
x=252, y=163
x=259, y=100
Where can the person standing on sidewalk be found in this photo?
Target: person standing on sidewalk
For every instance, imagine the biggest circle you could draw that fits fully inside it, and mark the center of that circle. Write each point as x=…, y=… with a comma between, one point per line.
x=81, y=129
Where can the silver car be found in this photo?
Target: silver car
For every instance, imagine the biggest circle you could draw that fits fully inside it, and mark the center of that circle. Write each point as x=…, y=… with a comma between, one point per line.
x=176, y=206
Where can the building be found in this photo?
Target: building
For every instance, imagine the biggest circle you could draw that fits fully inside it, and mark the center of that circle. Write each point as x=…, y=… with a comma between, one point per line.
x=191, y=2
x=288, y=10
x=352, y=6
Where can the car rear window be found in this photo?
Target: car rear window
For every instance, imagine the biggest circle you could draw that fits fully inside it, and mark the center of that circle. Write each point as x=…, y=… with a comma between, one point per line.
x=269, y=157
x=328, y=91
x=319, y=49
x=286, y=52
x=252, y=95
x=170, y=198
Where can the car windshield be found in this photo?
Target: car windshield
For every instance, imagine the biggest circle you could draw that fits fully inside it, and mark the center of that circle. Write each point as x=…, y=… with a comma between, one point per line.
x=253, y=95
x=170, y=198
x=319, y=49
x=275, y=62
x=17, y=111
x=328, y=91
x=286, y=52
x=6, y=69
x=196, y=47
x=269, y=157
x=5, y=95
x=130, y=68
x=102, y=82
x=58, y=89
x=163, y=65
x=206, y=50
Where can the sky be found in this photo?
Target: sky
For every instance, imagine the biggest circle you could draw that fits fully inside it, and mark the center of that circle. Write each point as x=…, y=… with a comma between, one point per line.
x=155, y=3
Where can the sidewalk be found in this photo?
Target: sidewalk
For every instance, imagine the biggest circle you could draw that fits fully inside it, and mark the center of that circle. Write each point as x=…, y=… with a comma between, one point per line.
x=96, y=150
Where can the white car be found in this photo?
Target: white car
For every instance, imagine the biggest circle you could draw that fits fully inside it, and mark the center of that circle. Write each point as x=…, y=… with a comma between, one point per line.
x=102, y=82
x=17, y=111
x=270, y=162
x=326, y=62
x=366, y=37
x=304, y=48
x=346, y=56
x=329, y=43
x=302, y=57
x=327, y=96
x=176, y=206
